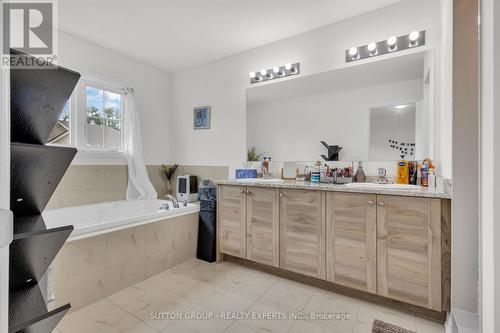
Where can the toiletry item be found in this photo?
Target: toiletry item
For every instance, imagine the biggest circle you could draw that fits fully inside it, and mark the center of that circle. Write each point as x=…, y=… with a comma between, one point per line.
x=307, y=173
x=413, y=172
x=316, y=173
x=402, y=175
x=424, y=180
x=322, y=172
x=432, y=180
x=360, y=174
x=265, y=164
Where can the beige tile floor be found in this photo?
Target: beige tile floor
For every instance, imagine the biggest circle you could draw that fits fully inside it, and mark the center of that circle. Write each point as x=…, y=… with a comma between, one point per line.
x=198, y=289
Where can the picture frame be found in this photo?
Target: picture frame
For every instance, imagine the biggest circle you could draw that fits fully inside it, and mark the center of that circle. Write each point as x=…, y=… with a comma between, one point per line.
x=201, y=117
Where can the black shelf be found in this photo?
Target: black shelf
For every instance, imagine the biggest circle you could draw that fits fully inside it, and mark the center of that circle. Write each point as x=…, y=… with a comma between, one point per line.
x=35, y=172
x=30, y=223
x=31, y=254
x=37, y=99
x=29, y=314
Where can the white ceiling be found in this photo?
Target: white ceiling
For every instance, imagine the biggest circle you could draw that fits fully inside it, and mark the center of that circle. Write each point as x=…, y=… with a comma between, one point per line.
x=178, y=34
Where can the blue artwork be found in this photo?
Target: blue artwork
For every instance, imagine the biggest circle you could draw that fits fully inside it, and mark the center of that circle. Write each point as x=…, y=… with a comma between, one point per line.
x=202, y=117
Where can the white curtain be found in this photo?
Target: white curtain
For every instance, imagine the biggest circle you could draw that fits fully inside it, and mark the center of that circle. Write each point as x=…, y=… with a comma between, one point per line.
x=139, y=185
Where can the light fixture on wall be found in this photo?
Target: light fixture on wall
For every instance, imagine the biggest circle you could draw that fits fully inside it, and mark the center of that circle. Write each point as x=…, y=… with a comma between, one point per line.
x=372, y=49
x=275, y=73
x=413, y=37
x=353, y=53
x=391, y=44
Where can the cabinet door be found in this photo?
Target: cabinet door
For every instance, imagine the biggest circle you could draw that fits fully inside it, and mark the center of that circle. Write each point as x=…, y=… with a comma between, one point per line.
x=351, y=243
x=409, y=250
x=302, y=232
x=263, y=225
x=231, y=220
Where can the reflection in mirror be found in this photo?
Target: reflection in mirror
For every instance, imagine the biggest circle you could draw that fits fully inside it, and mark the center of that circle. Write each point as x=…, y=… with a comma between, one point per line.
x=392, y=132
x=288, y=120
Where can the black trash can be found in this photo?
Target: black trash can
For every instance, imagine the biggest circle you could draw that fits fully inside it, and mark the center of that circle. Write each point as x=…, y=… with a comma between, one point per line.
x=207, y=233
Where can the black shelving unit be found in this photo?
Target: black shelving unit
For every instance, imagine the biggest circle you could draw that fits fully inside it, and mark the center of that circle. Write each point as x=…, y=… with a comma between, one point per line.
x=38, y=97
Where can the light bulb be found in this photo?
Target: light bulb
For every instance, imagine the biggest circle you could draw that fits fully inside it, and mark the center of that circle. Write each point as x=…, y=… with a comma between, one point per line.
x=288, y=66
x=263, y=72
x=391, y=41
x=372, y=47
x=276, y=69
x=414, y=35
x=253, y=75
x=353, y=51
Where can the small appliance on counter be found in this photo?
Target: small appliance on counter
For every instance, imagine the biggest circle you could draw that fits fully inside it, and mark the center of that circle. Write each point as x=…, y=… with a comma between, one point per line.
x=187, y=188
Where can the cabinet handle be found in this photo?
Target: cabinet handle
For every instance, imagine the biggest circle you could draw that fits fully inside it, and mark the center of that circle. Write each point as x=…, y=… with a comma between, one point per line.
x=282, y=195
x=248, y=192
x=381, y=203
x=370, y=203
x=242, y=191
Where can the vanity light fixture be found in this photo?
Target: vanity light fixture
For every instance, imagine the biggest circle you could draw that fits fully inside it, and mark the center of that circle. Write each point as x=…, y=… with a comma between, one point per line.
x=400, y=107
x=413, y=37
x=275, y=73
x=372, y=49
x=353, y=52
x=391, y=44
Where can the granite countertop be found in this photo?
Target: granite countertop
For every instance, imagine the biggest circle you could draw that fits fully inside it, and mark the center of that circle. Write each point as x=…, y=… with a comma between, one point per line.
x=443, y=191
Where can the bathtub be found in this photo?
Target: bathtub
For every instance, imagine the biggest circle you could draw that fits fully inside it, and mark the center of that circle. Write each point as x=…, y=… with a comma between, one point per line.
x=96, y=219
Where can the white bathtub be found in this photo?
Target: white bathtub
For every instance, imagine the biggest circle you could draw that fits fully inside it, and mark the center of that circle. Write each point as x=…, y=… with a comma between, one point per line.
x=92, y=220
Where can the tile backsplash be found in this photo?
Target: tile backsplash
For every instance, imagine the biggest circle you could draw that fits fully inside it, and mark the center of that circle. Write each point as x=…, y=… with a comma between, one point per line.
x=89, y=184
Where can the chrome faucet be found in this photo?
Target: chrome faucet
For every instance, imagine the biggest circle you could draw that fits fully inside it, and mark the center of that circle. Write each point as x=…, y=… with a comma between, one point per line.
x=175, y=203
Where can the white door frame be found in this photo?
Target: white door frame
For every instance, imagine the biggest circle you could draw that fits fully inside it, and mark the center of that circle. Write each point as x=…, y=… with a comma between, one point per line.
x=4, y=185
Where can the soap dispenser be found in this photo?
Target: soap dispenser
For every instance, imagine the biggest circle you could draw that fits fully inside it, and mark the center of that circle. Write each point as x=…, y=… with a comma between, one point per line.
x=360, y=174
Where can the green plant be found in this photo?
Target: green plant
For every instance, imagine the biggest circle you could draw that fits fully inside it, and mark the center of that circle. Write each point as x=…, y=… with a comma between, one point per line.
x=253, y=156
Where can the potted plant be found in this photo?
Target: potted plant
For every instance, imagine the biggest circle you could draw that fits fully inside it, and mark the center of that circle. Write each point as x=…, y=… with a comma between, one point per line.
x=168, y=171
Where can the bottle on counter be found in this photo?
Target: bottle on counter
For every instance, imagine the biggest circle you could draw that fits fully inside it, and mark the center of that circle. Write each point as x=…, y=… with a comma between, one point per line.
x=360, y=174
x=316, y=173
x=402, y=176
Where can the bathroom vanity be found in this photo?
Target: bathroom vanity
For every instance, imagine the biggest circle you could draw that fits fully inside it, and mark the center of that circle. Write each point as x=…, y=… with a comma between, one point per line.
x=393, y=243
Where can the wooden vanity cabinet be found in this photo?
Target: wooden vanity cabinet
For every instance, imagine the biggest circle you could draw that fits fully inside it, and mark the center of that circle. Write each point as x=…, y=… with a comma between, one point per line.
x=248, y=223
x=302, y=232
x=351, y=240
x=409, y=250
x=393, y=246
x=262, y=223
x=231, y=217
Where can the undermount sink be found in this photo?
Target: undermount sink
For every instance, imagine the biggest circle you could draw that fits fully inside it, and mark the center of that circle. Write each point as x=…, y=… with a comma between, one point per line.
x=260, y=180
x=387, y=186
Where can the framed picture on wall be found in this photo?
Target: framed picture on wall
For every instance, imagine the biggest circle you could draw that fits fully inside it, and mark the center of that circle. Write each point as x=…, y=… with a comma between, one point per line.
x=201, y=116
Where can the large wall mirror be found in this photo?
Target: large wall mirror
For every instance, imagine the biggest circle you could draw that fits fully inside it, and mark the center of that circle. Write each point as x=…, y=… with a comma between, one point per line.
x=378, y=111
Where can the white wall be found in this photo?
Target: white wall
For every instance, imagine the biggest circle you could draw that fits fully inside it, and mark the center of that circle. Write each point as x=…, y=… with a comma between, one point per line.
x=490, y=159
x=222, y=83
x=151, y=85
x=291, y=130
x=465, y=203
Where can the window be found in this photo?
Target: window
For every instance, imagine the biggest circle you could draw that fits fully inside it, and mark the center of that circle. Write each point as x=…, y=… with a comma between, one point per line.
x=61, y=134
x=103, y=124
x=92, y=120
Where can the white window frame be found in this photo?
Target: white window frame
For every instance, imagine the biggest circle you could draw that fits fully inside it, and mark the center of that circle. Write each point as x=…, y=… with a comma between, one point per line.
x=78, y=118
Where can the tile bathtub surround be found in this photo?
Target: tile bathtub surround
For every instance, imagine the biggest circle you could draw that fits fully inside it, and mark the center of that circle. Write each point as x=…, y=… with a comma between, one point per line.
x=90, y=184
x=87, y=270
x=227, y=286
